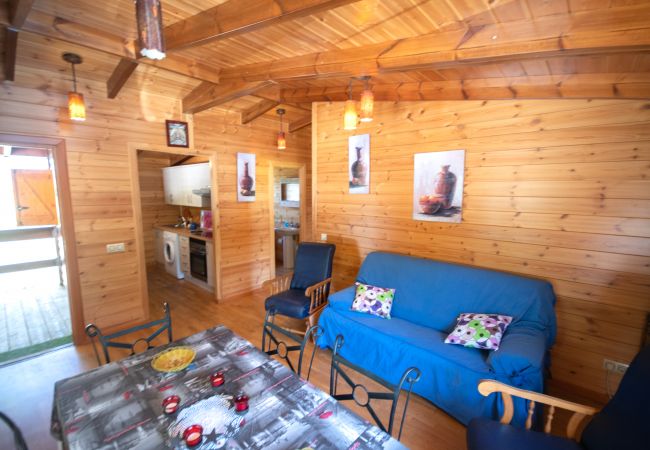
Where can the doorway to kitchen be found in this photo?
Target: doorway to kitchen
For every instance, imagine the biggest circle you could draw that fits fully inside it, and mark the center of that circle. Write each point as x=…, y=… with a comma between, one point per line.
x=287, y=214
x=34, y=307
x=174, y=211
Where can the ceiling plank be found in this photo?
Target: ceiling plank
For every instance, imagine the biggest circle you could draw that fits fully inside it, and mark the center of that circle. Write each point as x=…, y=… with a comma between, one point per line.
x=299, y=124
x=237, y=17
x=90, y=37
x=18, y=10
x=208, y=95
x=120, y=76
x=583, y=33
x=11, y=45
x=585, y=86
x=257, y=110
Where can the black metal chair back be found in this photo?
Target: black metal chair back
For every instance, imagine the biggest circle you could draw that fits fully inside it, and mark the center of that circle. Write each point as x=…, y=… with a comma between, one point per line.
x=363, y=397
x=277, y=346
x=19, y=439
x=109, y=340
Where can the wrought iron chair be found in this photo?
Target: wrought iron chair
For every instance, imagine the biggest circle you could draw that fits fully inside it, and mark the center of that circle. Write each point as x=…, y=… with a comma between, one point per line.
x=109, y=340
x=362, y=396
x=19, y=439
x=621, y=424
x=277, y=346
x=303, y=293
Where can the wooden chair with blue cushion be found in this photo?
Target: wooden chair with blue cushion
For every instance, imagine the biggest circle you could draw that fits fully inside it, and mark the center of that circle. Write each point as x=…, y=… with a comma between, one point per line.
x=622, y=424
x=140, y=344
x=303, y=293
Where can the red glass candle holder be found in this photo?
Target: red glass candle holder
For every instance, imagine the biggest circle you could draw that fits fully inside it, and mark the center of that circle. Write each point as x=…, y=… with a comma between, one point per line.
x=170, y=404
x=217, y=378
x=193, y=435
x=241, y=402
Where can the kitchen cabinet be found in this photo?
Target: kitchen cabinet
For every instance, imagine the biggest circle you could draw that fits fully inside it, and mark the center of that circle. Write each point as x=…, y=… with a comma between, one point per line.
x=180, y=181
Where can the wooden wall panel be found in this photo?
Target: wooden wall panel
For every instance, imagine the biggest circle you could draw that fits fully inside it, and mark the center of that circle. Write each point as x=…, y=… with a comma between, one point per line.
x=554, y=189
x=152, y=199
x=245, y=227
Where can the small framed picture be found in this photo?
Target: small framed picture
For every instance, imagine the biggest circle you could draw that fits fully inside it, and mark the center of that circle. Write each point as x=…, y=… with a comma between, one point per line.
x=177, y=135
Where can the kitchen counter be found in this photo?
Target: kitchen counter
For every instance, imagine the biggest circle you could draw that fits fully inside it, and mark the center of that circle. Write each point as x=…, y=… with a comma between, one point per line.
x=183, y=232
x=287, y=231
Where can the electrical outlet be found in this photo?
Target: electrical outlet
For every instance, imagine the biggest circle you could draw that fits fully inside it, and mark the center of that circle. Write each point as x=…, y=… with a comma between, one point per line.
x=614, y=366
x=323, y=237
x=115, y=248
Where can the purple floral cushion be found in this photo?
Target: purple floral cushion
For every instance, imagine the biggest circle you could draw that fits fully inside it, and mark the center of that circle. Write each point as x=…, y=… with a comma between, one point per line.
x=479, y=330
x=373, y=300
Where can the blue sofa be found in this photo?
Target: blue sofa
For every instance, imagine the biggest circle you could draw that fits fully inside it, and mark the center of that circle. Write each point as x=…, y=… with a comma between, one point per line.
x=429, y=296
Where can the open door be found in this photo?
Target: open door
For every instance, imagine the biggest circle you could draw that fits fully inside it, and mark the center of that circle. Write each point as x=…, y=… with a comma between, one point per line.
x=35, y=198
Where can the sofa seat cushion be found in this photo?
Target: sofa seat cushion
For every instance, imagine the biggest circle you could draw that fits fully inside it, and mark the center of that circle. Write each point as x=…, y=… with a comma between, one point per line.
x=291, y=303
x=486, y=434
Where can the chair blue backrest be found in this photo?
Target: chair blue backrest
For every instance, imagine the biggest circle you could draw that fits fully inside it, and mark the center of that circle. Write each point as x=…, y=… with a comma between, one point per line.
x=313, y=264
x=625, y=421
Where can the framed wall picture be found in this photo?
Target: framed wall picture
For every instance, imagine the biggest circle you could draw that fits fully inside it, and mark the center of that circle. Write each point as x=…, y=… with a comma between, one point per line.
x=438, y=186
x=359, y=164
x=177, y=134
x=246, y=177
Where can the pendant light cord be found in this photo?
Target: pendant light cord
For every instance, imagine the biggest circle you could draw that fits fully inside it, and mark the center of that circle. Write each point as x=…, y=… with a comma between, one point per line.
x=74, y=78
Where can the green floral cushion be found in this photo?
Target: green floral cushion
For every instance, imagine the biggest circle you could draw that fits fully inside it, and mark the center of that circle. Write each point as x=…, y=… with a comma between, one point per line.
x=479, y=330
x=373, y=300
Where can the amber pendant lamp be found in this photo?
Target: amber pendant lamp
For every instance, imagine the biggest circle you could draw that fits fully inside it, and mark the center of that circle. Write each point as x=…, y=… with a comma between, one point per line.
x=367, y=102
x=151, y=38
x=76, y=104
x=350, y=116
x=282, y=140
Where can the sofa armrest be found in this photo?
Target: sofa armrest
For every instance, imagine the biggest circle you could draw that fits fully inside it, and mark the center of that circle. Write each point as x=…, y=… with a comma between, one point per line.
x=522, y=349
x=342, y=300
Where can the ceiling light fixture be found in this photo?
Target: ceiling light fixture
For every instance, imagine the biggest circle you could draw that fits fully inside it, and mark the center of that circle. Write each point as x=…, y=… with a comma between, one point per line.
x=151, y=38
x=350, y=114
x=282, y=141
x=76, y=105
x=367, y=102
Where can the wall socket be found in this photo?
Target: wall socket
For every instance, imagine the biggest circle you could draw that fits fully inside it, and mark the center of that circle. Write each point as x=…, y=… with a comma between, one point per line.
x=323, y=237
x=614, y=366
x=115, y=248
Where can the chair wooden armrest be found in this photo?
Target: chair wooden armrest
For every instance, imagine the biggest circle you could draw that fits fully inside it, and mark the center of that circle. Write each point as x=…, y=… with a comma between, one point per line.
x=278, y=284
x=487, y=387
x=318, y=294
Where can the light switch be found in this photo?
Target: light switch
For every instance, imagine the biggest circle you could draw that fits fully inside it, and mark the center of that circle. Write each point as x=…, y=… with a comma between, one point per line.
x=323, y=237
x=115, y=248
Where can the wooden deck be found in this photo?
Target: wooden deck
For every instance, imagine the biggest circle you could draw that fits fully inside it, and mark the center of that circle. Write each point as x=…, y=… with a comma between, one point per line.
x=33, y=308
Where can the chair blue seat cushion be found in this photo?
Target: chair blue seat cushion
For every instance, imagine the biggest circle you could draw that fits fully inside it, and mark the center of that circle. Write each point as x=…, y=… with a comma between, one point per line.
x=291, y=303
x=486, y=434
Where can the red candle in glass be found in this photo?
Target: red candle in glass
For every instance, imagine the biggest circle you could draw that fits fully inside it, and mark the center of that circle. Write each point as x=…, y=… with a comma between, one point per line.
x=170, y=404
x=217, y=378
x=193, y=435
x=241, y=402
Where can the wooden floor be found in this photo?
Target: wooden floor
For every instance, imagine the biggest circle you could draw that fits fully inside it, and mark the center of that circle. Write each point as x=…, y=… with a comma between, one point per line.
x=33, y=308
x=27, y=387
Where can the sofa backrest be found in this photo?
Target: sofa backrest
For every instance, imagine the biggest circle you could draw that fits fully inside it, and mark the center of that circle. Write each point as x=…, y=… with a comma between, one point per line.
x=433, y=293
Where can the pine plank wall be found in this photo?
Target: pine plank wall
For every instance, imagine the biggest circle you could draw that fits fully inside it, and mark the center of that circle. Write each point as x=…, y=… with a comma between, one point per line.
x=554, y=189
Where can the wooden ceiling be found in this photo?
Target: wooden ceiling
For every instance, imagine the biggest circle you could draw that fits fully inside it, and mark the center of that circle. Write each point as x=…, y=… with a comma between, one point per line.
x=254, y=54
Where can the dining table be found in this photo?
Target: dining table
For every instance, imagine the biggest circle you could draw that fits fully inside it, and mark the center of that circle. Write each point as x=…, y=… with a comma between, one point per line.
x=190, y=394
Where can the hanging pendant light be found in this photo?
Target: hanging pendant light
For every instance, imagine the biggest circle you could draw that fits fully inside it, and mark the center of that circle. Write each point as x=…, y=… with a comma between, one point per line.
x=151, y=38
x=282, y=141
x=367, y=102
x=76, y=105
x=350, y=114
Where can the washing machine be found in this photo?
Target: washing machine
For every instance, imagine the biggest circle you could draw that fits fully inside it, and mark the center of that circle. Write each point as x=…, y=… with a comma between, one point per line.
x=172, y=252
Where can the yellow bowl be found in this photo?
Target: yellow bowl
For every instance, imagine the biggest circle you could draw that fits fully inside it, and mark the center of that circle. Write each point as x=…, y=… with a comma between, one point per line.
x=173, y=359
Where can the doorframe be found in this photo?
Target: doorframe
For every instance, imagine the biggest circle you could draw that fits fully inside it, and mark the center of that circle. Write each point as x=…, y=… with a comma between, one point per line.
x=64, y=197
x=137, y=213
x=302, y=181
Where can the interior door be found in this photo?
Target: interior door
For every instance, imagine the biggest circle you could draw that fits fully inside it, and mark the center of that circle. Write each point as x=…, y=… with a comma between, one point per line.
x=35, y=198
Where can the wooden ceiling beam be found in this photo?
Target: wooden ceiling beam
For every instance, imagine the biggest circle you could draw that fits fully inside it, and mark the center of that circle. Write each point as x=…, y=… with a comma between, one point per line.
x=208, y=95
x=120, y=76
x=601, y=86
x=237, y=17
x=583, y=33
x=18, y=10
x=299, y=124
x=75, y=33
x=257, y=110
x=10, y=51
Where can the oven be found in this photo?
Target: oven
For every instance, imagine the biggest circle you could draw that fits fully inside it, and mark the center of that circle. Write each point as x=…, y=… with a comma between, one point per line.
x=198, y=259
